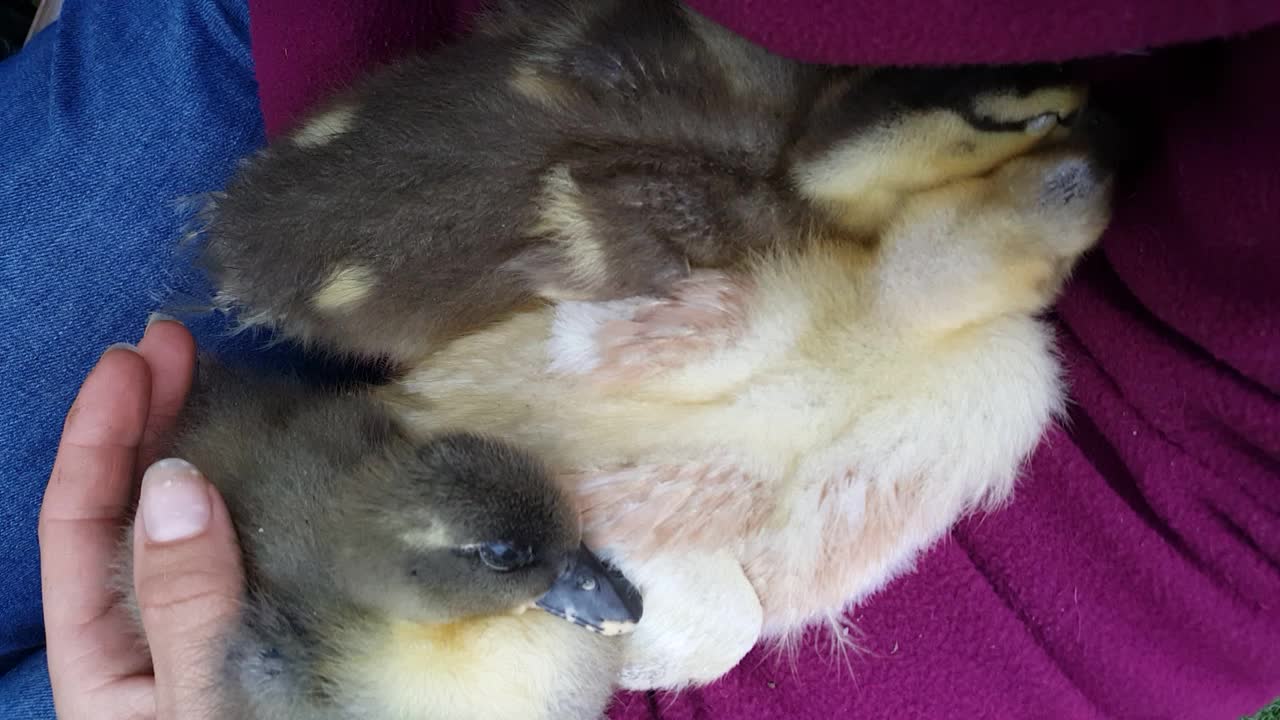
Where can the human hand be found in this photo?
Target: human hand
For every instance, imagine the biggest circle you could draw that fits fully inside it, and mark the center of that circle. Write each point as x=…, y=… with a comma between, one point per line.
x=187, y=568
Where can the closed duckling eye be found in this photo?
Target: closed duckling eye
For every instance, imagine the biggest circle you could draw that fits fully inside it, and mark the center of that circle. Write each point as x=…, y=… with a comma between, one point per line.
x=503, y=556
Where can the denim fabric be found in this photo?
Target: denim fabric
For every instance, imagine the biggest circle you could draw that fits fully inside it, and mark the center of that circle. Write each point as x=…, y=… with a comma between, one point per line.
x=108, y=119
x=24, y=689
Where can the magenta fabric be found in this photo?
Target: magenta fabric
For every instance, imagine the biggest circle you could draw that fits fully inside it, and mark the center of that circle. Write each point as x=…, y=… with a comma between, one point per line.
x=1137, y=572
x=303, y=50
x=987, y=31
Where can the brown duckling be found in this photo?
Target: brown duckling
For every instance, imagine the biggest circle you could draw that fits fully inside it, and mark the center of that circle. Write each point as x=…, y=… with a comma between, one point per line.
x=585, y=150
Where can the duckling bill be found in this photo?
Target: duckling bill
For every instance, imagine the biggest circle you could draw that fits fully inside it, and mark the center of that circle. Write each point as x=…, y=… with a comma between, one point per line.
x=594, y=596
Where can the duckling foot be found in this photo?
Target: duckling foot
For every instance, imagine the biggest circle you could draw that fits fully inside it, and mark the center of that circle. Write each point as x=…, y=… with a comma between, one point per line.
x=701, y=618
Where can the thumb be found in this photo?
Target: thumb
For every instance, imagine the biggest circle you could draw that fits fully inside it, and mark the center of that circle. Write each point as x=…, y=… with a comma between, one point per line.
x=188, y=579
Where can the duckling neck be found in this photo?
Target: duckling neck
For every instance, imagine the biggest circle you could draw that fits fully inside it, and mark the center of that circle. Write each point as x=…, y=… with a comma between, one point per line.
x=483, y=668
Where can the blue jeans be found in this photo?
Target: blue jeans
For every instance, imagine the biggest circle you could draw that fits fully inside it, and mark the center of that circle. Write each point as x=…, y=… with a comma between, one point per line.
x=109, y=118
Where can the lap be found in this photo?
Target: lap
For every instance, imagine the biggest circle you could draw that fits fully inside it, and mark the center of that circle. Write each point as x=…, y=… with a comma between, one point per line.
x=112, y=116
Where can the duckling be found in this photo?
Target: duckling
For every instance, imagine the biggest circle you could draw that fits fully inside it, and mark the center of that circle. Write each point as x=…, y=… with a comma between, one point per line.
x=389, y=577
x=786, y=437
x=584, y=150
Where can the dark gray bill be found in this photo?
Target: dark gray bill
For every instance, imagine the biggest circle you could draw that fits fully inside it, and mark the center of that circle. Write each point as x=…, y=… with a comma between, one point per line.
x=594, y=596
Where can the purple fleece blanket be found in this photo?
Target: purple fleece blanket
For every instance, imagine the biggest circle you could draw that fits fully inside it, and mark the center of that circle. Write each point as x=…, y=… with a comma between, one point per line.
x=1137, y=572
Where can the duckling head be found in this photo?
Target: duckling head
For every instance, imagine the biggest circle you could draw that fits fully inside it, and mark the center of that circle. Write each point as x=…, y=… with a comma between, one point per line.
x=463, y=526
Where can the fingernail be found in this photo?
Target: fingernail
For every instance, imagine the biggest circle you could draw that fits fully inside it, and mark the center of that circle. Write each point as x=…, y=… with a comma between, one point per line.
x=158, y=316
x=175, y=501
x=121, y=346
x=1042, y=123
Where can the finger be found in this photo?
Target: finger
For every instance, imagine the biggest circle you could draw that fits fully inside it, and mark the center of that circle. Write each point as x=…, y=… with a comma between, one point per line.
x=170, y=351
x=188, y=579
x=84, y=507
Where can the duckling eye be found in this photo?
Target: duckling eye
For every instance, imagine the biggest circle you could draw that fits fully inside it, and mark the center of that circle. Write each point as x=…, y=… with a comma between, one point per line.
x=504, y=557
